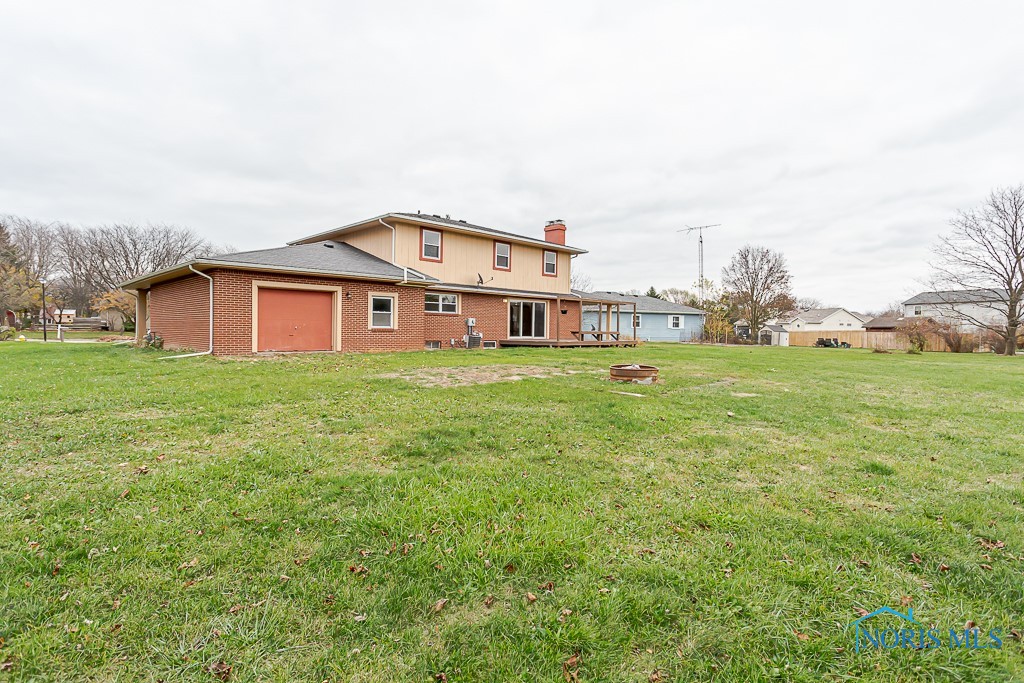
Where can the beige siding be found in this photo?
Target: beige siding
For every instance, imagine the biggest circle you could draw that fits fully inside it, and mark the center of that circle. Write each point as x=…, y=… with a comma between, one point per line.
x=376, y=241
x=464, y=256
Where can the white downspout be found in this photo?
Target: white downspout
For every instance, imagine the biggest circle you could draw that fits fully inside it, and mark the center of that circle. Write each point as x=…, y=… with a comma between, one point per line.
x=381, y=221
x=210, y=350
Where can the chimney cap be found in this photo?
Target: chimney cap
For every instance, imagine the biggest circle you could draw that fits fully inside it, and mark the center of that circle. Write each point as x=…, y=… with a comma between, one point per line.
x=557, y=221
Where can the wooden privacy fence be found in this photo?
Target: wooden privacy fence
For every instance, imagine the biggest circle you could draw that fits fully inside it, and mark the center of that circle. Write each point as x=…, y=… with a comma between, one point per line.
x=868, y=339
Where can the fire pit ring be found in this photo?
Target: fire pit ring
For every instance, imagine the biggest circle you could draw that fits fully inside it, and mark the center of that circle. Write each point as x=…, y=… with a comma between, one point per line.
x=631, y=372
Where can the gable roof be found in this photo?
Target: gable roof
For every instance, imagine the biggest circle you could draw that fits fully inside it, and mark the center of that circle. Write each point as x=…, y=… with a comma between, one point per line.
x=957, y=296
x=817, y=315
x=327, y=257
x=890, y=321
x=646, y=304
x=440, y=222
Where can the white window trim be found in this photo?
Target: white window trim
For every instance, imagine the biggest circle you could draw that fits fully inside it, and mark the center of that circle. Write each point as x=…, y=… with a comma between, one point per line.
x=554, y=263
x=440, y=307
x=675, y=327
x=423, y=245
x=918, y=310
x=394, y=310
x=508, y=256
x=638, y=318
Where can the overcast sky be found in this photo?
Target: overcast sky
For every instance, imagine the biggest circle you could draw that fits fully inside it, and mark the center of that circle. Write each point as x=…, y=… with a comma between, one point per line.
x=844, y=137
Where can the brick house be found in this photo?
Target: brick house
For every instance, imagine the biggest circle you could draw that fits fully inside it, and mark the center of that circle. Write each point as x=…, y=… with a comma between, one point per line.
x=399, y=281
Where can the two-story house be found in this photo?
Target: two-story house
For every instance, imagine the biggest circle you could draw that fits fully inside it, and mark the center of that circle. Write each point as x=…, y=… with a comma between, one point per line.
x=970, y=309
x=399, y=281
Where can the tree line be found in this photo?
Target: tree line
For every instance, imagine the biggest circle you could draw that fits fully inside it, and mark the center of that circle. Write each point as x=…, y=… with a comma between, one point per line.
x=984, y=250
x=82, y=266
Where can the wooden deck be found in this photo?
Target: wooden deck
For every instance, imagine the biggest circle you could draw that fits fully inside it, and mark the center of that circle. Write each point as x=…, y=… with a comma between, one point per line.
x=566, y=343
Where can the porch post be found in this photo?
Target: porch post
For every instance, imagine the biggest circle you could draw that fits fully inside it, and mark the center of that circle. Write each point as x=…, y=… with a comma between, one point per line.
x=141, y=314
x=558, y=318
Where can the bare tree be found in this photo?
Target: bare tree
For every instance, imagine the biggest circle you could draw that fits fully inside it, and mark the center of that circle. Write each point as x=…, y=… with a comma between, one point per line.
x=10, y=256
x=580, y=281
x=985, y=251
x=759, y=282
x=806, y=303
x=682, y=296
x=35, y=244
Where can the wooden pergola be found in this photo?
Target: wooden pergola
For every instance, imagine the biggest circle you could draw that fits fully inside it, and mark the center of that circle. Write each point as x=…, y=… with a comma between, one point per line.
x=609, y=332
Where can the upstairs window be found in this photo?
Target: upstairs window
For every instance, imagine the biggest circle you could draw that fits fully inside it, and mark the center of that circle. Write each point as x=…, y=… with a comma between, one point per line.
x=430, y=245
x=502, y=256
x=442, y=303
x=550, y=263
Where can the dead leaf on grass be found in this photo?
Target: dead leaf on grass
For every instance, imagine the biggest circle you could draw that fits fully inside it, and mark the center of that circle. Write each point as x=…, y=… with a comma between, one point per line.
x=439, y=605
x=801, y=636
x=530, y=597
x=235, y=609
x=943, y=567
x=571, y=668
x=489, y=601
x=220, y=670
x=188, y=565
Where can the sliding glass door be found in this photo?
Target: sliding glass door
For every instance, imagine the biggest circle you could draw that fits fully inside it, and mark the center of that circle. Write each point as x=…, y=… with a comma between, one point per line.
x=527, y=319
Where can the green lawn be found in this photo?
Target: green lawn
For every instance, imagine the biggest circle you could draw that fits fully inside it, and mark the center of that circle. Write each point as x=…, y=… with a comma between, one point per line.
x=51, y=334
x=301, y=518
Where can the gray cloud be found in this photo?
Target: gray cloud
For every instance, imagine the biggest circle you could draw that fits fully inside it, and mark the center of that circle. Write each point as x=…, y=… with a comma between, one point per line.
x=844, y=136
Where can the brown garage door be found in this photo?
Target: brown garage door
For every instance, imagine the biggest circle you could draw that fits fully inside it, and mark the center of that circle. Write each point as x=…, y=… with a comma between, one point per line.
x=294, y=320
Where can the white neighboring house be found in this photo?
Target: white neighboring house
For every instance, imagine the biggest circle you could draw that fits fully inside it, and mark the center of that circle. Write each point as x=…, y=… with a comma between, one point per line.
x=823, y=320
x=971, y=309
x=55, y=316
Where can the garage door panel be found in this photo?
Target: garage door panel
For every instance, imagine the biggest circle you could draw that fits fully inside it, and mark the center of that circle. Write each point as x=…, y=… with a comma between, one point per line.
x=294, y=320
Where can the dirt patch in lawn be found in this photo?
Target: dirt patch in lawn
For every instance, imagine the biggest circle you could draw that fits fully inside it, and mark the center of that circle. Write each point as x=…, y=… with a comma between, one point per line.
x=484, y=374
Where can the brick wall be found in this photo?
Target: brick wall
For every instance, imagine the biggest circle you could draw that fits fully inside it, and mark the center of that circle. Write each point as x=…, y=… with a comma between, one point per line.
x=232, y=300
x=179, y=311
x=491, y=313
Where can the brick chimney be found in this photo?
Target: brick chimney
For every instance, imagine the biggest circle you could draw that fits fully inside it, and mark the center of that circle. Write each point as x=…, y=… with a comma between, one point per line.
x=554, y=231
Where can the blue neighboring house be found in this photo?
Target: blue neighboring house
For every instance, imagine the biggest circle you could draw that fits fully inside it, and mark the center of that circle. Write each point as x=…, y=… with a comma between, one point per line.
x=657, y=319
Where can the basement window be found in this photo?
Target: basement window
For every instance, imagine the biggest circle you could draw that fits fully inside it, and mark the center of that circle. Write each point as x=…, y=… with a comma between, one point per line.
x=490, y=344
x=382, y=312
x=433, y=345
x=442, y=303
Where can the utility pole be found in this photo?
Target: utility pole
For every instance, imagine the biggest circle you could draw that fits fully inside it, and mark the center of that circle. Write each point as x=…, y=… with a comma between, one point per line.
x=699, y=229
x=42, y=283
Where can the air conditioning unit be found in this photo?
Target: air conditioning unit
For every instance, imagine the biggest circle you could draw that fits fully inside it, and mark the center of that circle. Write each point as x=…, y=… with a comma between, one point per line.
x=473, y=341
